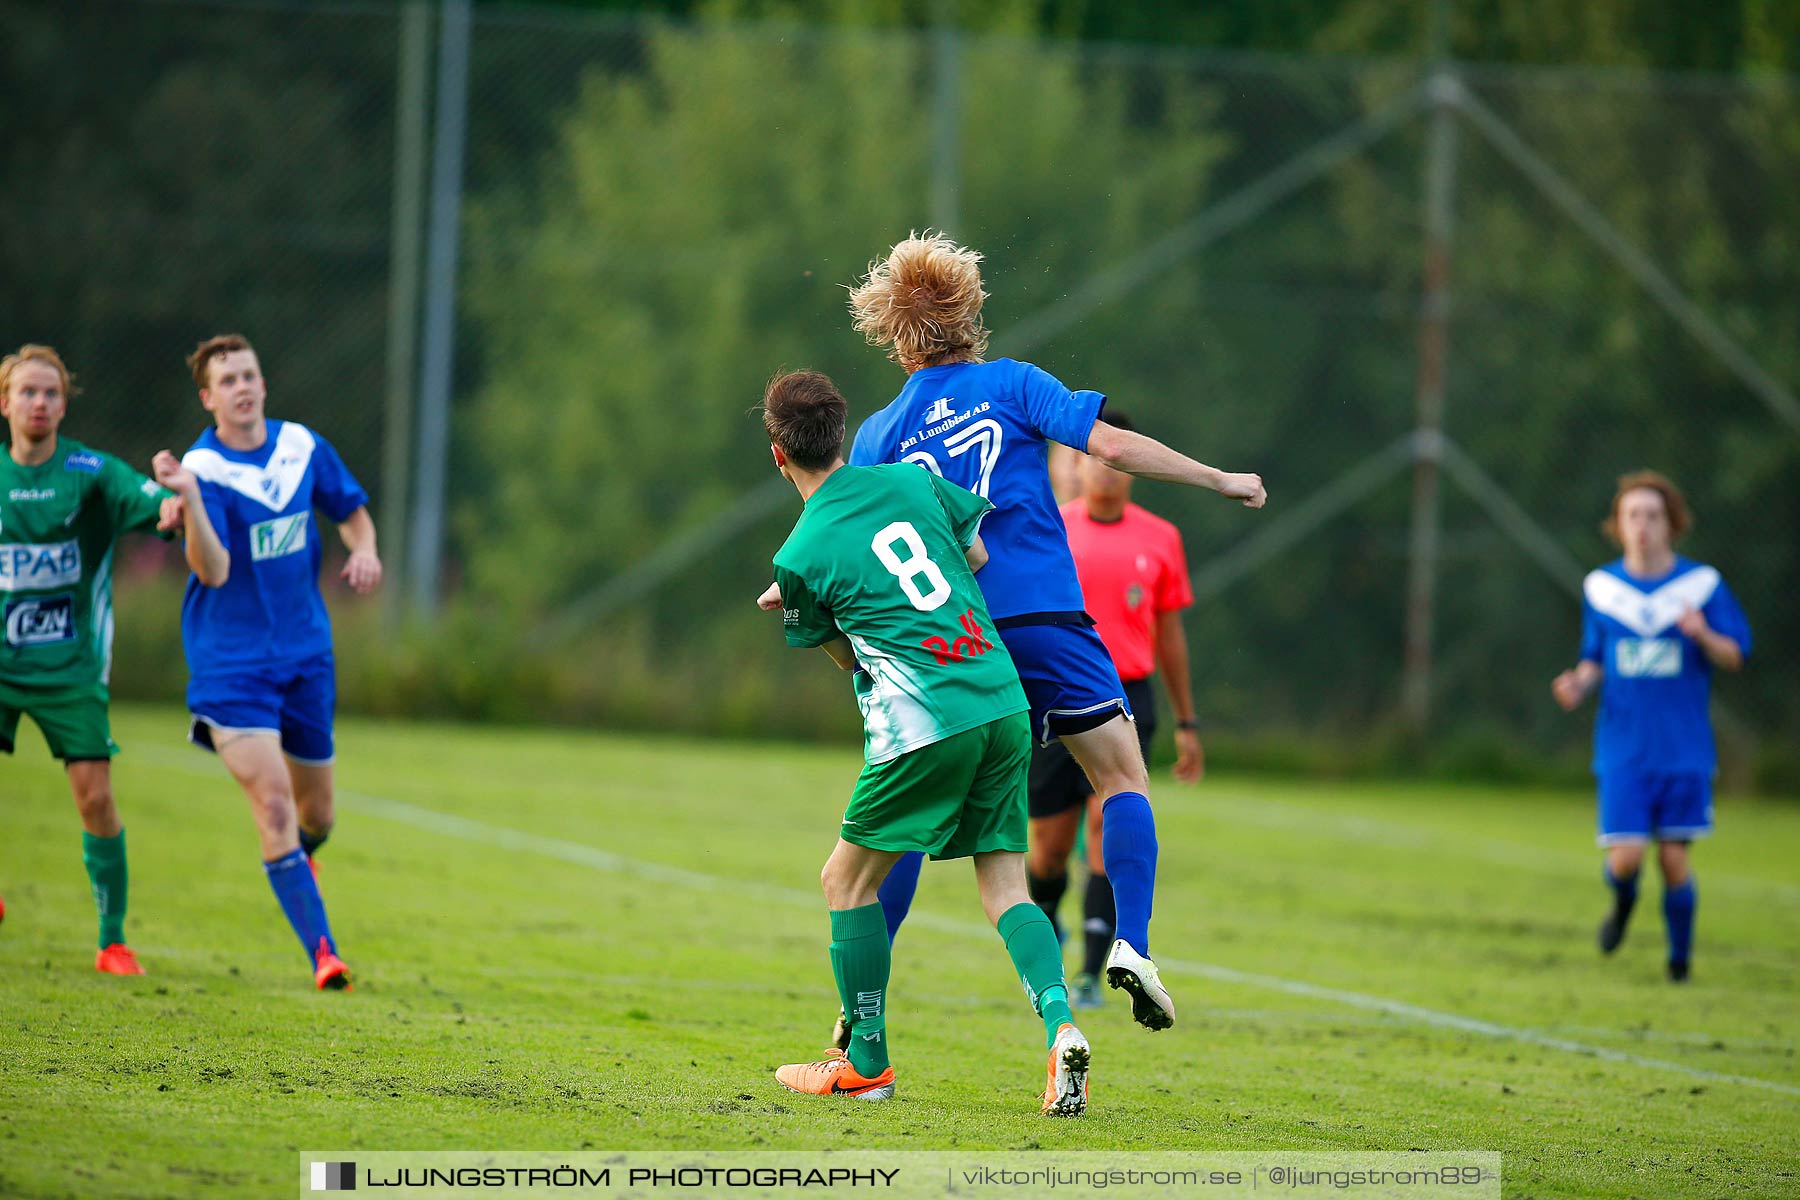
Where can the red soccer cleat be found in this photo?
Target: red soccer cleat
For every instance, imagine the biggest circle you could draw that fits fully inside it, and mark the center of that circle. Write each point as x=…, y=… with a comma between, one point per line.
x=117, y=959
x=329, y=971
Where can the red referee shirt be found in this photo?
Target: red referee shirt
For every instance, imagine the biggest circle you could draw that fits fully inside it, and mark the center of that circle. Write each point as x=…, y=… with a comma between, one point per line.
x=1131, y=570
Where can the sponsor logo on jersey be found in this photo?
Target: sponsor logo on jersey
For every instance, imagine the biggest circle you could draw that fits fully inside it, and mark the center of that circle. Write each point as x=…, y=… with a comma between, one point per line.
x=40, y=620
x=1648, y=658
x=82, y=462
x=32, y=494
x=790, y=616
x=937, y=422
x=972, y=644
x=278, y=538
x=29, y=567
x=149, y=487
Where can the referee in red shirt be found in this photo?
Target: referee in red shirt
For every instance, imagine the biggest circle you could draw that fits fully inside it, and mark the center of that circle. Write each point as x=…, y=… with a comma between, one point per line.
x=1134, y=580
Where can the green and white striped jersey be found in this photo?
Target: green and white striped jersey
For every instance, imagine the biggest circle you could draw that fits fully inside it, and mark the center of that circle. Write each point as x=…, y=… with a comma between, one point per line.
x=878, y=557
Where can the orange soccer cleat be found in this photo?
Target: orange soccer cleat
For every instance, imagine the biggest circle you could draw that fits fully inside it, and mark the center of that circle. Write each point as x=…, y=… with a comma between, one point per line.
x=834, y=1076
x=329, y=971
x=117, y=959
x=1066, y=1093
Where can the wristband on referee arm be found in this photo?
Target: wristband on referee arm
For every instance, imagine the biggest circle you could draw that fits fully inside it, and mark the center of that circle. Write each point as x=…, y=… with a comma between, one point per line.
x=1190, y=724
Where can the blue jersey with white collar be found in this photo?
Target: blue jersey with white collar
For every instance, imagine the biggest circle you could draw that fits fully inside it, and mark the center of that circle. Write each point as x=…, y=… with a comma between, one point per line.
x=987, y=427
x=269, y=611
x=1653, y=702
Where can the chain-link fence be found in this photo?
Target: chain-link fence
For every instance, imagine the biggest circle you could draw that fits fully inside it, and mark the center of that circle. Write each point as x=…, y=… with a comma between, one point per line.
x=650, y=217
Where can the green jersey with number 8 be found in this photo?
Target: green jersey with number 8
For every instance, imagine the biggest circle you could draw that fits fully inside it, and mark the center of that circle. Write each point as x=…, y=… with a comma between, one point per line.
x=878, y=557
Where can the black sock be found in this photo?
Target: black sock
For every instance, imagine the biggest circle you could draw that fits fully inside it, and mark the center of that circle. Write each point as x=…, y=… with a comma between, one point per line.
x=310, y=841
x=1097, y=923
x=1047, y=894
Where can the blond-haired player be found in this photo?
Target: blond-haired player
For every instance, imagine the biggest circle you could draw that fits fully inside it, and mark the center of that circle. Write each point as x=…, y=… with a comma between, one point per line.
x=63, y=506
x=987, y=426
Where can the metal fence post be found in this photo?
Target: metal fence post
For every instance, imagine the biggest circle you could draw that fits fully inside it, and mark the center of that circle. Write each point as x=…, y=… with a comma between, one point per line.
x=438, y=351
x=1434, y=347
x=412, y=105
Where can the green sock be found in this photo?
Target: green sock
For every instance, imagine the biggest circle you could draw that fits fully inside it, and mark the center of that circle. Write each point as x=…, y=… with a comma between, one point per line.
x=860, y=957
x=1031, y=940
x=104, y=859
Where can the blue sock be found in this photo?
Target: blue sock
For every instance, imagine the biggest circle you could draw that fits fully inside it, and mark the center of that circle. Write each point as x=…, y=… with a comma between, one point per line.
x=1624, y=890
x=1128, y=844
x=897, y=890
x=299, y=895
x=1678, y=914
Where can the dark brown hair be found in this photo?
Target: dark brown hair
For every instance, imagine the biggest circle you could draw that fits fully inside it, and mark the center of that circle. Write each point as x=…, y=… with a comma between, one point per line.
x=804, y=414
x=211, y=348
x=1674, y=503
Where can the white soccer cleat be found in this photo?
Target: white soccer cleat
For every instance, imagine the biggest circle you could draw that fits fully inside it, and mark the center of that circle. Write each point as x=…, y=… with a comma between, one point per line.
x=1065, y=1091
x=1151, y=1006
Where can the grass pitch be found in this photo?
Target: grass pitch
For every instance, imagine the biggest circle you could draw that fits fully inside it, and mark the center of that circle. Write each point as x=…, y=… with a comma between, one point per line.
x=576, y=942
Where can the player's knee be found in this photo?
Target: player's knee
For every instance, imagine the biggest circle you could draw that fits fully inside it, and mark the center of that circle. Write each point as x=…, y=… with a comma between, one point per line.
x=94, y=801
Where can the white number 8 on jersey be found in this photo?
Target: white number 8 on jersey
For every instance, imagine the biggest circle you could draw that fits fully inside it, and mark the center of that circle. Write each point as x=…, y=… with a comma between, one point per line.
x=908, y=570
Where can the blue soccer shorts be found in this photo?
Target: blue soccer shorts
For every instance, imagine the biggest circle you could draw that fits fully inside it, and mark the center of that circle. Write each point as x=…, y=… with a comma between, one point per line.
x=1070, y=681
x=296, y=703
x=1643, y=806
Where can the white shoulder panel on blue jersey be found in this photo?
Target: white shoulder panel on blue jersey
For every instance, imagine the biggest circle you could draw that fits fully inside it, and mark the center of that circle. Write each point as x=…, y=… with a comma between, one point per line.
x=273, y=485
x=1649, y=613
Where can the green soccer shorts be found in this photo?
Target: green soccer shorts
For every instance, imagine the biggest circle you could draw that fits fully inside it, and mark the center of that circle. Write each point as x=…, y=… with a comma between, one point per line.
x=73, y=720
x=961, y=796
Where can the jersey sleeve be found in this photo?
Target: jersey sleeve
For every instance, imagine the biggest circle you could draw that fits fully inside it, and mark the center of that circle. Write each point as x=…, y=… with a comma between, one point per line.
x=804, y=617
x=335, y=489
x=1174, y=591
x=964, y=508
x=1593, y=643
x=1056, y=412
x=862, y=448
x=1726, y=616
x=133, y=499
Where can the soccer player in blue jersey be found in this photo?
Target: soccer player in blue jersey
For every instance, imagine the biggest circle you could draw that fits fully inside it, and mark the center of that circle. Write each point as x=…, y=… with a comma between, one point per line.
x=1654, y=627
x=987, y=426
x=262, y=685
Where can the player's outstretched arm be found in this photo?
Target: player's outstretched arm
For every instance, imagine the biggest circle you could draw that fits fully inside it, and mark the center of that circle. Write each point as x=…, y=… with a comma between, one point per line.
x=1147, y=458
x=206, y=555
x=363, y=570
x=1574, y=686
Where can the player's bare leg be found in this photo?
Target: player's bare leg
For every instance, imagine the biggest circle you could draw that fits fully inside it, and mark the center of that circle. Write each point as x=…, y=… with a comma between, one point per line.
x=255, y=760
x=1114, y=763
x=1052, y=839
x=103, y=854
x=315, y=805
x=860, y=961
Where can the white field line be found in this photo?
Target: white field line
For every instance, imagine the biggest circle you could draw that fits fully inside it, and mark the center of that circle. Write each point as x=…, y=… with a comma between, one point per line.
x=498, y=837
x=1286, y=817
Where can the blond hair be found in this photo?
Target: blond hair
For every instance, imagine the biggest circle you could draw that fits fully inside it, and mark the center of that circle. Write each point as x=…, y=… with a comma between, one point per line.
x=32, y=352
x=923, y=302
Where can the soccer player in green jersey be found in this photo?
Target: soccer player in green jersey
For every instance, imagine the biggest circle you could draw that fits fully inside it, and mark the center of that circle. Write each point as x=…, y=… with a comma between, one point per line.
x=879, y=571
x=62, y=507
